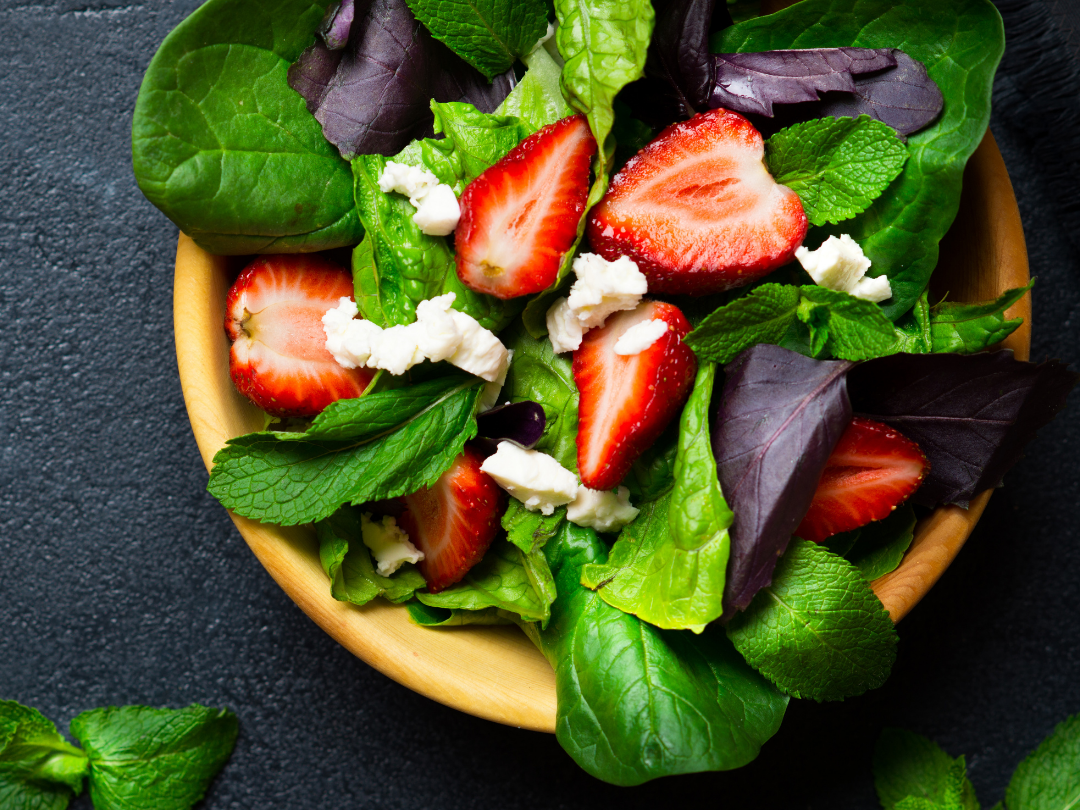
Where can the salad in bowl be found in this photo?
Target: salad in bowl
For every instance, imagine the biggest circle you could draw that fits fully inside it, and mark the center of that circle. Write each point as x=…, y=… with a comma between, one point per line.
x=607, y=325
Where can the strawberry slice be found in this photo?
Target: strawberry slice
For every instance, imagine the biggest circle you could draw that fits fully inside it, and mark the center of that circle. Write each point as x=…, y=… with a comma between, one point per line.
x=872, y=470
x=626, y=401
x=455, y=520
x=273, y=315
x=521, y=215
x=697, y=209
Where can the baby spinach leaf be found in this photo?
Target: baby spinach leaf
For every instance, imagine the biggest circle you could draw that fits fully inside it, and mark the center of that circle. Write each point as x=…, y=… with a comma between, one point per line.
x=488, y=34
x=1049, y=779
x=225, y=148
x=844, y=326
x=39, y=769
x=347, y=561
x=668, y=566
x=908, y=766
x=837, y=166
x=540, y=375
x=776, y=424
x=498, y=581
x=141, y=757
x=762, y=316
x=653, y=474
x=881, y=545
x=636, y=702
x=901, y=230
x=817, y=631
x=444, y=617
x=970, y=328
x=302, y=480
x=530, y=531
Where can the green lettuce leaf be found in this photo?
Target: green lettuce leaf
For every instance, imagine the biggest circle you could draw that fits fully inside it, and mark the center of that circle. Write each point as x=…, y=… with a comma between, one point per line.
x=537, y=100
x=970, y=328
x=347, y=561
x=911, y=771
x=297, y=479
x=636, y=702
x=1049, y=779
x=149, y=759
x=817, y=631
x=668, y=567
x=426, y=616
x=960, y=43
x=39, y=769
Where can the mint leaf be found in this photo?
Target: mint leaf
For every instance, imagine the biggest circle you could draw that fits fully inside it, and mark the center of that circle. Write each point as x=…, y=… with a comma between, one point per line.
x=443, y=617
x=347, y=561
x=499, y=581
x=298, y=479
x=913, y=334
x=488, y=34
x=912, y=772
x=817, y=631
x=882, y=544
x=153, y=759
x=846, y=327
x=537, y=99
x=837, y=166
x=1049, y=779
x=668, y=566
x=762, y=316
x=39, y=769
x=969, y=328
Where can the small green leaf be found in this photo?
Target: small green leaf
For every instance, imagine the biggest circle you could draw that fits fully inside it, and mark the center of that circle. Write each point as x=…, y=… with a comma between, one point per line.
x=537, y=99
x=1049, y=779
x=143, y=758
x=837, y=166
x=852, y=329
x=762, y=316
x=882, y=544
x=530, y=531
x=817, y=631
x=39, y=769
x=913, y=335
x=969, y=328
x=426, y=616
x=912, y=771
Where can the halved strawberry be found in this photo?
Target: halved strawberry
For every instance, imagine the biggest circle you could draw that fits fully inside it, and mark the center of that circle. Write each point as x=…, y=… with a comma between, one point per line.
x=698, y=210
x=520, y=216
x=273, y=315
x=455, y=520
x=626, y=401
x=872, y=470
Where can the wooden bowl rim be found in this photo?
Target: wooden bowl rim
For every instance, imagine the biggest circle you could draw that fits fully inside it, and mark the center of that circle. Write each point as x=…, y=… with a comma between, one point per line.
x=495, y=672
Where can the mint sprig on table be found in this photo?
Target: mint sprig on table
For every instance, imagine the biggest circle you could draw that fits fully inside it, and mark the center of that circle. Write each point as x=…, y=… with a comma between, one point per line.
x=133, y=756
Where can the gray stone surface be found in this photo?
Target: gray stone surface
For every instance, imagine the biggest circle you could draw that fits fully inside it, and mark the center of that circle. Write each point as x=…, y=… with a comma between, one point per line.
x=124, y=582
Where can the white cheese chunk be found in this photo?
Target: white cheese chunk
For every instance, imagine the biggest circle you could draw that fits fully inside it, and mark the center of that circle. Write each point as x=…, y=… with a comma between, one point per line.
x=438, y=212
x=534, y=478
x=564, y=328
x=641, y=336
x=480, y=353
x=603, y=511
x=413, y=181
x=873, y=289
x=604, y=287
x=397, y=349
x=439, y=334
x=389, y=544
x=489, y=397
x=840, y=264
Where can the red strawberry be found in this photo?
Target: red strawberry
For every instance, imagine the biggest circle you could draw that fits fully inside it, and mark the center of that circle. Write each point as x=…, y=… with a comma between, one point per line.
x=697, y=209
x=454, y=522
x=872, y=470
x=273, y=315
x=626, y=401
x=520, y=216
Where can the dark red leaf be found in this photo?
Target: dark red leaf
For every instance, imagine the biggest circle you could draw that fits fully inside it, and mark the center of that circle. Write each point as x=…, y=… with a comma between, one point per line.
x=519, y=422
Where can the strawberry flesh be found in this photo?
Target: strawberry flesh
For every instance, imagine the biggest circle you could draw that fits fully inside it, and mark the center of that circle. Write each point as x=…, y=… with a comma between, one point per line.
x=521, y=215
x=273, y=315
x=698, y=210
x=455, y=521
x=872, y=470
x=626, y=401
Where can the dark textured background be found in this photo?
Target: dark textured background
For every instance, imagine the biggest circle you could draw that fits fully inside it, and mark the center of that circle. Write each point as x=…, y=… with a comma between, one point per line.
x=122, y=581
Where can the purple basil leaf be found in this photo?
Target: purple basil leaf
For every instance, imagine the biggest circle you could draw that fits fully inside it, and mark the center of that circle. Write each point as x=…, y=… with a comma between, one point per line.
x=750, y=83
x=970, y=414
x=336, y=24
x=520, y=422
x=378, y=98
x=779, y=417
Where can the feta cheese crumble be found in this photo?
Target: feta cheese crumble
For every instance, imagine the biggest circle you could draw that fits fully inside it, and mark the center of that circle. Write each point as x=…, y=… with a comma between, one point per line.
x=603, y=511
x=389, y=544
x=641, y=336
x=601, y=288
x=840, y=264
x=489, y=397
x=534, y=478
x=439, y=333
x=437, y=209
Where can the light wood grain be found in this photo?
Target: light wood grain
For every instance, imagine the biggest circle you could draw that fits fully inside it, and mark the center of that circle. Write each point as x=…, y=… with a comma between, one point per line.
x=495, y=672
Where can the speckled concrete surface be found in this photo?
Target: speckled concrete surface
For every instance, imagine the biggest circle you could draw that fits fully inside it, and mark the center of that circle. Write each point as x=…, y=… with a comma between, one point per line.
x=122, y=581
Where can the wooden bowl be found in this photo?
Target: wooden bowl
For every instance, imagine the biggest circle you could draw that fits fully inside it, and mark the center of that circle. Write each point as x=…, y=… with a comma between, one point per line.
x=495, y=672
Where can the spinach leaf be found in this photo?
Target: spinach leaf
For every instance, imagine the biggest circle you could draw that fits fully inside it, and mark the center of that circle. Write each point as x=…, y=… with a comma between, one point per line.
x=226, y=149
x=970, y=328
x=881, y=545
x=530, y=531
x=960, y=44
x=817, y=631
x=1049, y=779
x=426, y=616
x=39, y=769
x=347, y=561
x=636, y=702
x=544, y=377
x=142, y=757
x=653, y=474
x=302, y=480
x=913, y=335
x=668, y=566
x=908, y=766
